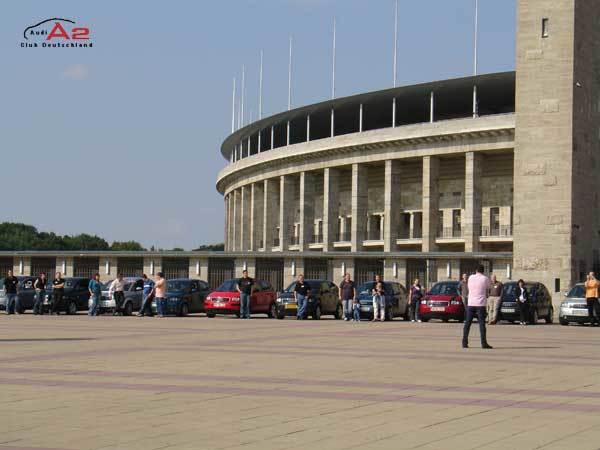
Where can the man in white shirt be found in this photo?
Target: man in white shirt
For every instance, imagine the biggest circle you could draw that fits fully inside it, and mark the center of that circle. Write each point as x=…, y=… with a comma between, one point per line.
x=117, y=288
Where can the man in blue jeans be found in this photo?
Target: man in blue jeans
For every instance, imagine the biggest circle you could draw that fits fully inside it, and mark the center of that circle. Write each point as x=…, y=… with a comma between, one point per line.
x=478, y=286
x=11, y=286
x=245, y=287
x=40, y=294
x=301, y=294
x=146, y=308
x=347, y=296
x=95, y=289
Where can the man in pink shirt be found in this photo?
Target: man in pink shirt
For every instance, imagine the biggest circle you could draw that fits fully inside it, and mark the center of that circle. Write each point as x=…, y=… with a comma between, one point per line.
x=479, y=285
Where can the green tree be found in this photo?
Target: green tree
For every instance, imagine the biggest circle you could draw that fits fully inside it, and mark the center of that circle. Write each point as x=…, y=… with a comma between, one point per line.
x=85, y=242
x=211, y=248
x=127, y=246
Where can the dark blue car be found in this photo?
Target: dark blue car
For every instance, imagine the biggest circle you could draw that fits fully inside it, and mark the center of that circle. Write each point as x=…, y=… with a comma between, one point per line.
x=184, y=296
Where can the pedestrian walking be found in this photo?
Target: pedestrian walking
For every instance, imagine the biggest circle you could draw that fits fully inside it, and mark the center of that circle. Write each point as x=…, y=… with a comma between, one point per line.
x=146, y=308
x=347, y=296
x=356, y=310
x=378, y=302
x=95, y=288
x=414, y=300
x=494, y=300
x=591, y=297
x=58, y=290
x=11, y=290
x=160, y=294
x=301, y=294
x=478, y=287
x=463, y=288
x=40, y=294
x=522, y=302
x=117, y=291
x=245, y=287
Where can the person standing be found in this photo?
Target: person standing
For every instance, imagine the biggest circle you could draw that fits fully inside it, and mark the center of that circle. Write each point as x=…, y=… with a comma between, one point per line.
x=301, y=294
x=245, y=287
x=522, y=302
x=146, y=308
x=356, y=310
x=95, y=288
x=117, y=291
x=591, y=297
x=58, y=290
x=414, y=300
x=478, y=287
x=160, y=293
x=347, y=295
x=378, y=302
x=11, y=288
x=494, y=300
x=463, y=288
x=40, y=294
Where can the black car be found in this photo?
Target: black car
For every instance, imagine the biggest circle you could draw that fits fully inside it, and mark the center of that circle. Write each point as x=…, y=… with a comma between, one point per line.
x=75, y=297
x=540, y=303
x=26, y=294
x=324, y=299
x=184, y=296
x=396, y=300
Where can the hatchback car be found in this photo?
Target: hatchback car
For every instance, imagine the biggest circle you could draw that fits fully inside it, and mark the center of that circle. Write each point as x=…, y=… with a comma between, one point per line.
x=396, y=300
x=574, y=307
x=324, y=300
x=133, y=292
x=184, y=296
x=226, y=299
x=75, y=297
x=442, y=301
x=540, y=303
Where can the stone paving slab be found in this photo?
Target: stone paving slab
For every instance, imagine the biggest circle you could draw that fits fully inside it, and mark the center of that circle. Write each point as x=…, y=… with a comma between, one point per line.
x=80, y=383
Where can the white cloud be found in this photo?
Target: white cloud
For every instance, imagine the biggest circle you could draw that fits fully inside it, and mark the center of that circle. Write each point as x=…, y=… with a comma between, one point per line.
x=77, y=72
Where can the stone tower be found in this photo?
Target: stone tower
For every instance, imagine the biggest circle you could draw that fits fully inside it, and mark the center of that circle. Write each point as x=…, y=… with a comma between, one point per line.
x=557, y=141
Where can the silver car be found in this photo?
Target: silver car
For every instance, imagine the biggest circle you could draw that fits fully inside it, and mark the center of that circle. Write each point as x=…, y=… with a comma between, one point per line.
x=574, y=307
x=134, y=287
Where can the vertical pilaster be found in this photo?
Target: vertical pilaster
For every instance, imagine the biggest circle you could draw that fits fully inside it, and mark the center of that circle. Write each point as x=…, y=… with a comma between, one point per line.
x=255, y=222
x=391, y=221
x=331, y=202
x=270, y=212
x=245, y=222
x=235, y=229
x=307, y=210
x=360, y=185
x=287, y=207
x=431, y=168
x=471, y=223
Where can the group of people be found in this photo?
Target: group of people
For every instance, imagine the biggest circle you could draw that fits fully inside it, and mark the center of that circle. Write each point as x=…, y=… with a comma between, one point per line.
x=11, y=289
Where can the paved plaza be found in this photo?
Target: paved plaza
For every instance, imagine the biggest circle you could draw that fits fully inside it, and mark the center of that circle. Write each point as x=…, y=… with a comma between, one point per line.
x=196, y=383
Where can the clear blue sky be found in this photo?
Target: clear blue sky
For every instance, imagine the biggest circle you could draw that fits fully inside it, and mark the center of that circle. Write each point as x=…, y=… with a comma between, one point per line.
x=123, y=140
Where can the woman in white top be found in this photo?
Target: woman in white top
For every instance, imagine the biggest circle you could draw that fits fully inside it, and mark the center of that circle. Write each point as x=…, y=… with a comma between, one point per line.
x=522, y=298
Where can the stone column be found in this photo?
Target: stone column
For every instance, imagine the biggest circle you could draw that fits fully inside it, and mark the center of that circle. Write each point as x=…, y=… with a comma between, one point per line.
x=391, y=221
x=331, y=207
x=256, y=212
x=287, y=207
x=431, y=199
x=245, y=214
x=471, y=222
x=290, y=275
x=22, y=266
x=235, y=219
x=111, y=264
x=270, y=213
x=307, y=210
x=226, y=241
x=360, y=185
x=250, y=264
x=399, y=275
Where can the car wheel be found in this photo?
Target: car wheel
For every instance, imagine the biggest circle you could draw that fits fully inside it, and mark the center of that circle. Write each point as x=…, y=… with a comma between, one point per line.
x=550, y=316
x=185, y=310
x=563, y=322
x=210, y=315
x=21, y=309
x=445, y=320
x=425, y=320
x=72, y=308
x=128, y=309
x=534, y=317
x=273, y=311
x=317, y=313
x=339, y=312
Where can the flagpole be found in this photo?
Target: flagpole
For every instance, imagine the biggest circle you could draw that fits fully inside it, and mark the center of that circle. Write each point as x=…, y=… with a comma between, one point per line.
x=333, y=61
x=233, y=108
x=290, y=77
x=396, y=45
x=260, y=93
x=243, y=92
x=475, y=112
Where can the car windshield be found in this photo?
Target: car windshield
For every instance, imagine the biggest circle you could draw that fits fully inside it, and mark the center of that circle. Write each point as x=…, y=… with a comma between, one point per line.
x=290, y=288
x=576, y=292
x=1, y=283
x=444, y=289
x=509, y=291
x=177, y=285
x=367, y=288
x=228, y=286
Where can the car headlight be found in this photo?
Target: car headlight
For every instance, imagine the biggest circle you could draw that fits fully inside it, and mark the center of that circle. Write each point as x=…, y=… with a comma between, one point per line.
x=456, y=302
x=175, y=299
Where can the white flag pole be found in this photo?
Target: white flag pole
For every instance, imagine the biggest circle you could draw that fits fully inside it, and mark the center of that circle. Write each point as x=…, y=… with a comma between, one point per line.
x=233, y=108
x=475, y=112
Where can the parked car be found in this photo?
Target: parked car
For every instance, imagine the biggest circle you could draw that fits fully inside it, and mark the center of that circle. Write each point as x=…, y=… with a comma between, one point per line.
x=396, y=300
x=184, y=296
x=442, y=301
x=574, y=307
x=226, y=299
x=133, y=291
x=26, y=294
x=75, y=298
x=540, y=303
x=324, y=300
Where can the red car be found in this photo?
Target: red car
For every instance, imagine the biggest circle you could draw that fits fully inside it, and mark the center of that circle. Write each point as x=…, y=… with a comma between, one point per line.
x=226, y=299
x=442, y=302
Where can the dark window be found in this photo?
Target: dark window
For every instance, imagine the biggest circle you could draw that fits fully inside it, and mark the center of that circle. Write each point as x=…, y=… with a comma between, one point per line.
x=545, y=27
